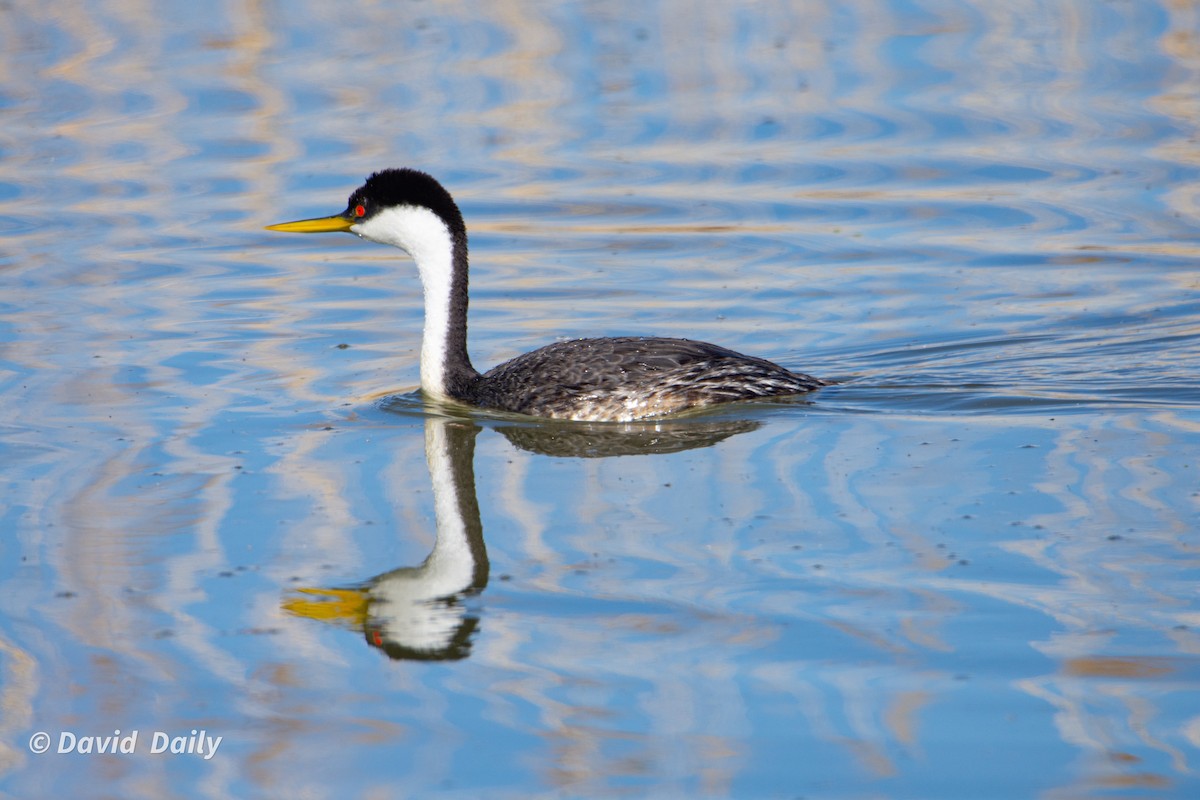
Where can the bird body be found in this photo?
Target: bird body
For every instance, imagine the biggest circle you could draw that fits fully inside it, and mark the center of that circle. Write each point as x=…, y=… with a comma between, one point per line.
x=604, y=379
x=631, y=377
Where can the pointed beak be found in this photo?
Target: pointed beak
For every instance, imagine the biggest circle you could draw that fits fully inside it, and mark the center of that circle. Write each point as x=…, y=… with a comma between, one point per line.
x=348, y=606
x=318, y=225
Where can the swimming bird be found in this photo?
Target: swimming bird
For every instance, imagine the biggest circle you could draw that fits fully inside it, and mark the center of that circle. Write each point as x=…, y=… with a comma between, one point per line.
x=607, y=379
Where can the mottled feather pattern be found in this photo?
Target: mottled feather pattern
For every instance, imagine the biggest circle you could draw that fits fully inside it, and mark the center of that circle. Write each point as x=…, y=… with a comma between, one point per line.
x=631, y=377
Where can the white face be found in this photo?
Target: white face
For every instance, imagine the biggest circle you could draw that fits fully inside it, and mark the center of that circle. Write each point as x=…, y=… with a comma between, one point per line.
x=415, y=230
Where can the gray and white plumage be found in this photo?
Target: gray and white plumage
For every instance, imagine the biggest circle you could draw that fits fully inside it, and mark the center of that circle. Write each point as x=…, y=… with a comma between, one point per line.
x=605, y=379
x=631, y=377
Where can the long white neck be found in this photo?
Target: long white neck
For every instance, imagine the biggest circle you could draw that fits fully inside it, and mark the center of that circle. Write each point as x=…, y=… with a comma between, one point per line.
x=426, y=237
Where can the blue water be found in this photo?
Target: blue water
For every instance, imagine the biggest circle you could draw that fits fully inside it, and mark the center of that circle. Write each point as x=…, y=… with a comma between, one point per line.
x=967, y=570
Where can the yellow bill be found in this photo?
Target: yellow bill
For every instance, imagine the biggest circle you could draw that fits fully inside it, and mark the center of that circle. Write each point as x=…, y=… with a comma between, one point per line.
x=318, y=225
x=348, y=606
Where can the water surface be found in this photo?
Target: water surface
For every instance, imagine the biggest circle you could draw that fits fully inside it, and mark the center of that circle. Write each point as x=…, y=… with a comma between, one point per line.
x=969, y=569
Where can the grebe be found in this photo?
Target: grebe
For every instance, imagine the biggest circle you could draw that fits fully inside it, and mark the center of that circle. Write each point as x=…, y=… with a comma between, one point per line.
x=609, y=379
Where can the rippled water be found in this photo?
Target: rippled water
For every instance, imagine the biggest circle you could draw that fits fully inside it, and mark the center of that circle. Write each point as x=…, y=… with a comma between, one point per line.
x=968, y=570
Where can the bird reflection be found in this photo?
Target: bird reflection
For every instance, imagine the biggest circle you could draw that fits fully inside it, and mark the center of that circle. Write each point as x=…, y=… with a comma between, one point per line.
x=601, y=439
x=418, y=613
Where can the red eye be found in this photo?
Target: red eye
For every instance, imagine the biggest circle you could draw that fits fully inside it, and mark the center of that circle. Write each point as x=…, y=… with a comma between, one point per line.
x=360, y=210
